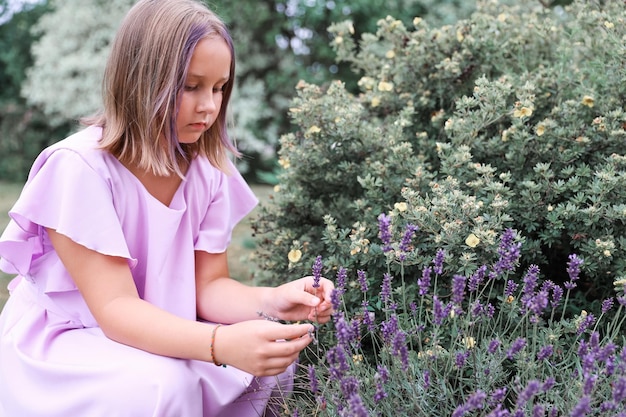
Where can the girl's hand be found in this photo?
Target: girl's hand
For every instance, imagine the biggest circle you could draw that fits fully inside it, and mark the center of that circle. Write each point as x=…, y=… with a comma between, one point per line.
x=299, y=300
x=261, y=347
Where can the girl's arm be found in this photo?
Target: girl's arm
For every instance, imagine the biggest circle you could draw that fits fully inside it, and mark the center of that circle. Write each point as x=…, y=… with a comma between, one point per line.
x=107, y=286
x=225, y=300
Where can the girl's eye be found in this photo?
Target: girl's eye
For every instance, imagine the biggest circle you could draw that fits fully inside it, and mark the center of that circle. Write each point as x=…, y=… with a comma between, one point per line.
x=219, y=89
x=190, y=87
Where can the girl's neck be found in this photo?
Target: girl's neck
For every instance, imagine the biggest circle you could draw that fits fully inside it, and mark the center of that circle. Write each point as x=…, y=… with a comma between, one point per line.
x=163, y=188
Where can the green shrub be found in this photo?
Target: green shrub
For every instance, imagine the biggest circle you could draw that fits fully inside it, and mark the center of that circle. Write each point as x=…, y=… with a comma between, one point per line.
x=511, y=118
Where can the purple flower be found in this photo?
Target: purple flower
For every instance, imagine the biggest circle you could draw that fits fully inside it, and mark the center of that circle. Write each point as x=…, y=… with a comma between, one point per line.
x=494, y=344
x=317, y=271
x=458, y=289
x=582, y=408
x=509, y=252
x=573, y=270
x=545, y=352
x=538, y=410
x=362, y=278
x=474, y=402
x=511, y=287
x=343, y=331
x=384, y=231
x=400, y=349
x=356, y=406
x=619, y=390
x=607, y=305
x=461, y=357
x=338, y=362
x=557, y=295
x=516, y=346
x=335, y=299
x=380, y=393
x=389, y=328
x=342, y=275
x=426, y=379
x=497, y=396
x=385, y=290
x=532, y=388
x=548, y=384
x=439, y=312
x=424, y=282
x=368, y=319
x=476, y=279
x=313, y=383
x=530, y=280
x=409, y=232
x=440, y=256
x=585, y=323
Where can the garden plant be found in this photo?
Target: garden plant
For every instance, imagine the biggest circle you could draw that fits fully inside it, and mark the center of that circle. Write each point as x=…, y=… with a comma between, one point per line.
x=470, y=199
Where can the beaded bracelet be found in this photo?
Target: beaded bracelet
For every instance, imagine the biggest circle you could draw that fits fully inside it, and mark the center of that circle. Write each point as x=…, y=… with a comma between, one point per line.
x=216, y=363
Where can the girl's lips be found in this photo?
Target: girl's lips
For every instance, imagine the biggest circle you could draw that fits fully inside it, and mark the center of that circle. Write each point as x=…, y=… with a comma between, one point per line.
x=198, y=126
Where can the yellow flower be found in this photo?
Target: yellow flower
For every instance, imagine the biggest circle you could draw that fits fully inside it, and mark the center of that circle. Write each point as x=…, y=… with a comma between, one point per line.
x=294, y=255
x=459, y=36
x=540, y=130
x=417, y=21
x=375, y=102
x=313, y=129
x=510, y=299
x=276, y=188
x=606, y=253
x=400, y=206
x=469, y=342
x=609, y=25
x=588, y=101
x=522, y=112
x=284, y=162
x=502, y=17
x=472, y=240
x=385, y=86
x=357, y=358
x=390, y=54
x=338, y=40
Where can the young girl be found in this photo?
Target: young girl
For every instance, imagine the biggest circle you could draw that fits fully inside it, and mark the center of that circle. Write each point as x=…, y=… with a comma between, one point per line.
x=119, y=242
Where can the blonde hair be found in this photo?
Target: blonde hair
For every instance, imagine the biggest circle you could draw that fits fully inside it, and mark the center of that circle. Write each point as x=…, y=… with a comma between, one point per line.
x=145, y=75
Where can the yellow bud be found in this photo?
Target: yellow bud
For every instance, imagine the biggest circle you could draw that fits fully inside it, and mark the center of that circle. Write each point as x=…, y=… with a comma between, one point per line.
x=588, y=101
x=400, y=206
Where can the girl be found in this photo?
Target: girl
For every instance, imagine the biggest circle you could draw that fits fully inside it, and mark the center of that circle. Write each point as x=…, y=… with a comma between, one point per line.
x=119, y=242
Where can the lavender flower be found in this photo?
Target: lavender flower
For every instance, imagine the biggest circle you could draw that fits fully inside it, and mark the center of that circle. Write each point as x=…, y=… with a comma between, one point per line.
x=461, y=357
x=385, y=290
x=313, y=383
x=474, y=402
x=335, y=299
x=317, y=272
x=557, y=295
x=362, y=278
x=458, y=289
x=582, y=408
x=511, y=287
x=424, y=282
x=368, y=319
x=516, y=346
x=440, y=256
x=532, y=388
x=545, y=352
x=530, y=280
x=585, y=323
x=509, y=252
x=356, y=406
x=619, y=390
x=477, y=278
x=426, y=380
x=494, y=344
x=439, y=312
x=409, y=232
x=384, y=231
x=497, y=396
x=342, y=330
x=342, y=275
x=573, y=270
x=389, y=328
x=400, y=349
x=607, y=305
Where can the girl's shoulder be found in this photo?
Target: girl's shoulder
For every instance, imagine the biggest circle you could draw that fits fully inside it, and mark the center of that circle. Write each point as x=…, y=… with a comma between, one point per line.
x=82, y=147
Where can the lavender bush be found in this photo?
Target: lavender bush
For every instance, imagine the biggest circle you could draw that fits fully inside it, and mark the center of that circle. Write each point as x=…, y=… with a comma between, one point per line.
x=495, y=342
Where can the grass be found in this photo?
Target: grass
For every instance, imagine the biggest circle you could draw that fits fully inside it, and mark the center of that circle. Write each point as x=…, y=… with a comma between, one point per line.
x=241, y=247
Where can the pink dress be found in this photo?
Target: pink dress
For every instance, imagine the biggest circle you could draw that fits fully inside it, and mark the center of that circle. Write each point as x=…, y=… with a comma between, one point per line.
x=54, y=359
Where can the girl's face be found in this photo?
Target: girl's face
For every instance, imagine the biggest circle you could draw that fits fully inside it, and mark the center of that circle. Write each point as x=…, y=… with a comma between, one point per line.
x=201, y=99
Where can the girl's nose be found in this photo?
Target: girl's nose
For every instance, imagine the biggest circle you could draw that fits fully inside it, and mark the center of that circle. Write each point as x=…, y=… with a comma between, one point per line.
x=207, y=103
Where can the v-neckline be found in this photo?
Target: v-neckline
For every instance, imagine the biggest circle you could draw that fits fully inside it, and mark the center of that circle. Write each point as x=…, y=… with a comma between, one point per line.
x=150, y=185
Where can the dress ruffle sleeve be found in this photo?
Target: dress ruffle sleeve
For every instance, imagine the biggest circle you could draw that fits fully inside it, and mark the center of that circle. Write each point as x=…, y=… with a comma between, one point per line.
x=231, y=202
x=65, y=193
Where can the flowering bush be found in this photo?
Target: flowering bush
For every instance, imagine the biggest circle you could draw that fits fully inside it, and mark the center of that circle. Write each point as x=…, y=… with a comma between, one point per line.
x=511, y=118
x=489, y=343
